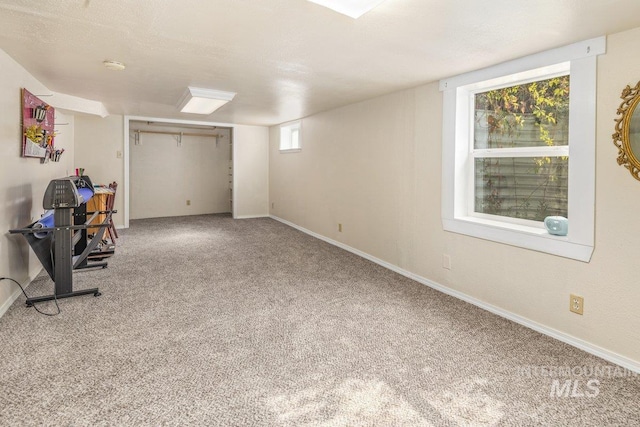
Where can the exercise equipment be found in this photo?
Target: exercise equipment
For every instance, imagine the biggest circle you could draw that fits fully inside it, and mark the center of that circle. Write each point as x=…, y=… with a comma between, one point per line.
x=60, y=239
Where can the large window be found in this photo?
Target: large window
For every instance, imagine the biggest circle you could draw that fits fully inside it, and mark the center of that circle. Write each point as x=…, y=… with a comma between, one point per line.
x=519, y=145
x=520, y=150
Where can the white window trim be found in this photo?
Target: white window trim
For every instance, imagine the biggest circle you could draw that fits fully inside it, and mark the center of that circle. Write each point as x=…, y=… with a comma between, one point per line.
x=579, y=243
x=287, y=128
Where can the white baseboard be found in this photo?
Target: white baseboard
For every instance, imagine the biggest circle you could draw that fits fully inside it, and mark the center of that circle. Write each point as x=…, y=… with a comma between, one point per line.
x=605, y=354
x=250, y=216
x=16, y=294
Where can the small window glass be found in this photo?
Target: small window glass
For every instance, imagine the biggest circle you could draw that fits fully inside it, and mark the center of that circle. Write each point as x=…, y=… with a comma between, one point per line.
x=290, y=137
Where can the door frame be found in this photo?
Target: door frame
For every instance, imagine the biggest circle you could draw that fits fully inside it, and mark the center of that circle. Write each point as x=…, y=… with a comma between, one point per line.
x=127, y=144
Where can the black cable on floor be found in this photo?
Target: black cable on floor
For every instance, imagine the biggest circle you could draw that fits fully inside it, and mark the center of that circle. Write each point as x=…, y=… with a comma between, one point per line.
x=33, y=305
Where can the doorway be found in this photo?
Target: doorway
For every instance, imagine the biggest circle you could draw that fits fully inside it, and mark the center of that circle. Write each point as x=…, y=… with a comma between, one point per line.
x=178, y=169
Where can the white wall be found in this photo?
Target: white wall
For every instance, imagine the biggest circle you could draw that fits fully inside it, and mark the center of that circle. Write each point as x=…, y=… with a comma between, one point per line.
x=375, y=167
x=23, y=180
x=98, y=141
x=251, y=171
x=164, y=175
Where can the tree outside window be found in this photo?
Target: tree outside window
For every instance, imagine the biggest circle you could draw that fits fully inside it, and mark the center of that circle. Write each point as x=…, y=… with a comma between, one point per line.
x=508, y=123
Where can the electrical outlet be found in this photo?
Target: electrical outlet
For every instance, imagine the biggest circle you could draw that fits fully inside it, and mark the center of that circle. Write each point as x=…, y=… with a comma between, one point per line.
x=273, y=205
x=576, y=304
x=188, y=202
x=340, y=228
x=446, y=261
x=119, y=154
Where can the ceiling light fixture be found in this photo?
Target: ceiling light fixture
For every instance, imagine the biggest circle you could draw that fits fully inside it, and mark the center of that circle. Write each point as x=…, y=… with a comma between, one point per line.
x=114, y=65
x=203, y=101
x=353, y=8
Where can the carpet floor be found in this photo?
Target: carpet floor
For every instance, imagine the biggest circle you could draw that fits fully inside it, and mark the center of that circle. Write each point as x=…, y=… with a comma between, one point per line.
x=206, y=320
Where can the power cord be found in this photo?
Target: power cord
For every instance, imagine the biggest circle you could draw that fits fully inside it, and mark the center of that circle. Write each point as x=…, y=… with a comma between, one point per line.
x=26, y=296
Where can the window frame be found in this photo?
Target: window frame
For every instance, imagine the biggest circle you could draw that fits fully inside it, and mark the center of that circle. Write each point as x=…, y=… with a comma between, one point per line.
x=580, y=60
x=286, y=136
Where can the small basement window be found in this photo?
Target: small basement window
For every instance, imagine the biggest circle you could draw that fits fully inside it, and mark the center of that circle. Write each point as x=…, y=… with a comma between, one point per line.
x=290, y=137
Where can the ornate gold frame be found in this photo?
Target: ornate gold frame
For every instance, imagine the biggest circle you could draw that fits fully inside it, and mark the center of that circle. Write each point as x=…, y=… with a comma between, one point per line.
x=626, y=156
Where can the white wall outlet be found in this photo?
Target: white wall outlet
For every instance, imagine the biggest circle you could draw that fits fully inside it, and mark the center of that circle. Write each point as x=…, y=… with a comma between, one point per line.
x=119, y=154
x=446, y=261
x=188, y=202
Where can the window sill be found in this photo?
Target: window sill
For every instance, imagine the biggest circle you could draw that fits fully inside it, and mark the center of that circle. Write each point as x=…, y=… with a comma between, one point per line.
x=291, y=150
x=521, y=236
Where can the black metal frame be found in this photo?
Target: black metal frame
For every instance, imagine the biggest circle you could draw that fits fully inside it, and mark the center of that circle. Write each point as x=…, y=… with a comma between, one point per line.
x=66, y=247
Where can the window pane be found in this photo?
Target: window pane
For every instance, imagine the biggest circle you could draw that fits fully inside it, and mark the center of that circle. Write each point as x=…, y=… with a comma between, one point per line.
x=295, y=141
x=522, y=187
x=285, y=138
x=529, y=115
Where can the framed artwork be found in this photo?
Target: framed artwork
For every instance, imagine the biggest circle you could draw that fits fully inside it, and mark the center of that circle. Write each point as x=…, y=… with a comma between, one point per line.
x=37, y=127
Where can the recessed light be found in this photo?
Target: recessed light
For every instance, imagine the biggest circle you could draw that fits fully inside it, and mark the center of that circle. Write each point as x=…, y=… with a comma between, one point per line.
x=353, y=8
x=114, y=65
x=203, y=101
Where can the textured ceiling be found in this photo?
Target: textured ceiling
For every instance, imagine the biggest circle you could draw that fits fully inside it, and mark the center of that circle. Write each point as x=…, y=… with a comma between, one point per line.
x=286, y=59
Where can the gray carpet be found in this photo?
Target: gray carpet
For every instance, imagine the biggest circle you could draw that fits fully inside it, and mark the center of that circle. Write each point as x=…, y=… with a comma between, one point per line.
x=209, y=321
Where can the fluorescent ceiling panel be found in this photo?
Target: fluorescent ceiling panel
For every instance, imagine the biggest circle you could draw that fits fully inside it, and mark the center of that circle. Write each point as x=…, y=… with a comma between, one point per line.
x=203, y=101
x=353, y=8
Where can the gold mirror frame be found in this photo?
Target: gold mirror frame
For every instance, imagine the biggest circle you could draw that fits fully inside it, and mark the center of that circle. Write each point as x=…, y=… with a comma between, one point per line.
x=621, y=138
